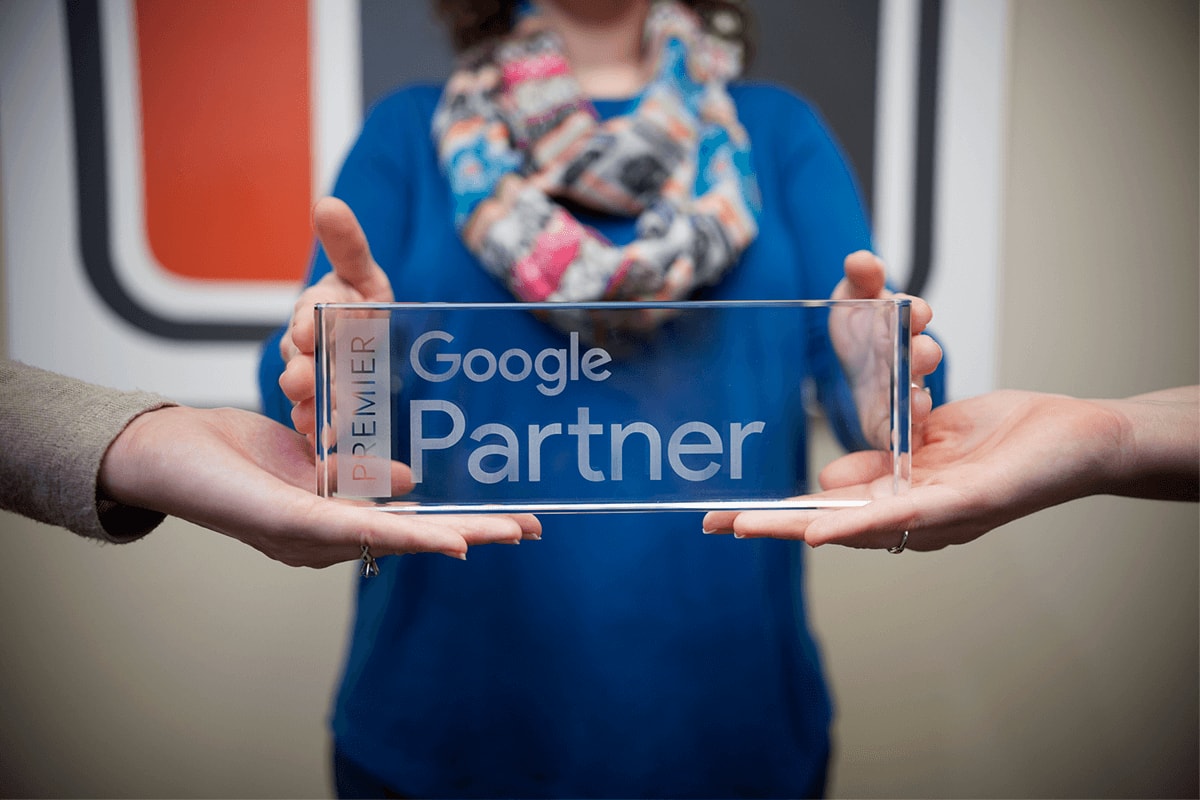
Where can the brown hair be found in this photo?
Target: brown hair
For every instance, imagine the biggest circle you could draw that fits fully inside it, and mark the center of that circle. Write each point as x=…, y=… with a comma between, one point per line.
x=474, y=22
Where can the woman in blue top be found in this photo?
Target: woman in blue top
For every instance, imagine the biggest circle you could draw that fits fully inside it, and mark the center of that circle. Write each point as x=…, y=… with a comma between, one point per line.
x=591, y=151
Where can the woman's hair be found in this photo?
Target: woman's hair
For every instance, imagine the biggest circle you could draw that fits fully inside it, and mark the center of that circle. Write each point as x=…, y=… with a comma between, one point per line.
x=474, y=22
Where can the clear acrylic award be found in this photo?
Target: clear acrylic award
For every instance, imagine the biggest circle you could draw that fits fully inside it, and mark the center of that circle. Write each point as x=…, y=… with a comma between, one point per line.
x=540, y=407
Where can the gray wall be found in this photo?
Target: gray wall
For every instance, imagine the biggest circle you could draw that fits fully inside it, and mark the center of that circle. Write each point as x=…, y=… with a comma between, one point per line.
x=1054, y=657
x=1057, y=656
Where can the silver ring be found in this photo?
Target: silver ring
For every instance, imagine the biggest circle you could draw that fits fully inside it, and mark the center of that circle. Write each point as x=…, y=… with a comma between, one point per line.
x=893, y=550
x=369, y=568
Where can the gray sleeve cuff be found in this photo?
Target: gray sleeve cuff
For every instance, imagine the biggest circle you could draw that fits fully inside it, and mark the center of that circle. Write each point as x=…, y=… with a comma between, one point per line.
x=56, y=432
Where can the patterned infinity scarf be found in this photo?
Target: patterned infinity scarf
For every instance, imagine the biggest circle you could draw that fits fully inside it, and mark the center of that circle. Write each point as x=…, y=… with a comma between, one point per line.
x=515, y=135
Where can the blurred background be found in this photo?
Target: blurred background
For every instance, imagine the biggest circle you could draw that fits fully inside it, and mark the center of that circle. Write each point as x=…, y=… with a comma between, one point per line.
x=1031, y=166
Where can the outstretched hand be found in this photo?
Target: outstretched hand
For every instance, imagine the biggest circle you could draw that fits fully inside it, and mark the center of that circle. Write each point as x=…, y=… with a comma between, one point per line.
x=356, y=278
x=244, y=475
x=990, y=459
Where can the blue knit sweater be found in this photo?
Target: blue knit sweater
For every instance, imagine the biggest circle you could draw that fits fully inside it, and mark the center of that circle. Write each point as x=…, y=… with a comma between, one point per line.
x=622, y=655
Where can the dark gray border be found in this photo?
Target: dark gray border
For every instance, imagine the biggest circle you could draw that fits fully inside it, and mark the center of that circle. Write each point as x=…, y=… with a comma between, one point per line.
x=91, y=169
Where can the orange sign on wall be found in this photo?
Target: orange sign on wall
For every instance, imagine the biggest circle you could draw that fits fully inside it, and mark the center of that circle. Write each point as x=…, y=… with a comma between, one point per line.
x=226, y=126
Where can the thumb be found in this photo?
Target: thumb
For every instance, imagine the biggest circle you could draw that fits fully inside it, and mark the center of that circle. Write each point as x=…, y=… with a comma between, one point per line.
x=865, y=277
x=346, y=245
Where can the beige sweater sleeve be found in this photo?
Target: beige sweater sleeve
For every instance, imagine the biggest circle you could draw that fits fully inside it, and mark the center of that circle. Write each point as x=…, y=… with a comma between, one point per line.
x=55, y=431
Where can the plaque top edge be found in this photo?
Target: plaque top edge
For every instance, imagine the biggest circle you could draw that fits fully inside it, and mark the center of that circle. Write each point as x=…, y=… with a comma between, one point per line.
x=619, y=305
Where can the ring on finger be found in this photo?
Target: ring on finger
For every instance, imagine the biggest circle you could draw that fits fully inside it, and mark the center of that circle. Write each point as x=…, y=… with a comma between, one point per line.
x=369, y=568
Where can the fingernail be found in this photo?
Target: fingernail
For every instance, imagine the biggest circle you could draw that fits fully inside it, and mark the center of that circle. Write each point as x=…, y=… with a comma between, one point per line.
x=455, y=554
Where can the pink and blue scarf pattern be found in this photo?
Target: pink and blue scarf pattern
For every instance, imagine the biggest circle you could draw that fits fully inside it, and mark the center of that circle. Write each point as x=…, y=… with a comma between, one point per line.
x=517, y=140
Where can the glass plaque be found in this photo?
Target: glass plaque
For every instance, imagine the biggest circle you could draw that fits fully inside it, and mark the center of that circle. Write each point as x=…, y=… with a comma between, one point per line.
x=547, y=407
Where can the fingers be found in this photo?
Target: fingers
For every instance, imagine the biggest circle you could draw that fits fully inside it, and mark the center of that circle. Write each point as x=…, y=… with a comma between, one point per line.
x=299, y=385
x=355, y=278
x=857, y=469
x=934, y=517
x=287, y=345
x=401, y=479
x=346, y=246
x=304, y=418
x=922, y=408
x=719, y=521
x=877, y=525
x=336, y=531
x=779, y=524
x=531, y=526
x=852, y=477
x=791, y=523
x=298, y=380
x=782, y=524
x=450, y=535
x=302, y=334
x=776, y=524
x=303, y=331
x=925, y=354
x=493, y=528
x=865, y=277
x=922, y=313
x=394, y=534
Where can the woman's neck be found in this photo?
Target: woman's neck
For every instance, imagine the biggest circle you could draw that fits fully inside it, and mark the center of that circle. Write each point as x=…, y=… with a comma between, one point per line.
x=603, y=40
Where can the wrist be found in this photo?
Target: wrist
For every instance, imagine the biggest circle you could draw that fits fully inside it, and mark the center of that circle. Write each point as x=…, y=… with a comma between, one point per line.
x=129, y=458
x=1158, y=445
x=1113, y=442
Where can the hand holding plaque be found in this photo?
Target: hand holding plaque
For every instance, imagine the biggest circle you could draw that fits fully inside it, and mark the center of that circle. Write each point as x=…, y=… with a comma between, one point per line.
x=864, y=341
x=356, y=279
